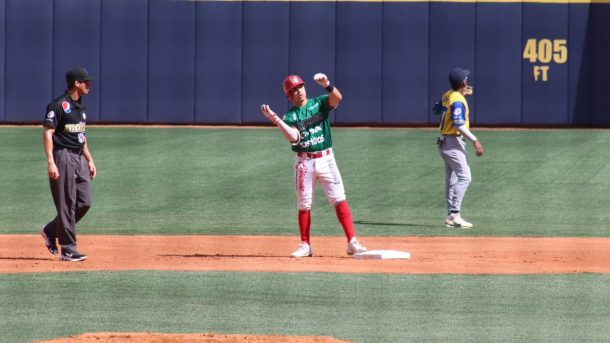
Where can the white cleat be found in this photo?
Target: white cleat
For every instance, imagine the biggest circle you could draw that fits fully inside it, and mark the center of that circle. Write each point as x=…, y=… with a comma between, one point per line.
x=354, y=247
x=456, y=221
x=304, y=250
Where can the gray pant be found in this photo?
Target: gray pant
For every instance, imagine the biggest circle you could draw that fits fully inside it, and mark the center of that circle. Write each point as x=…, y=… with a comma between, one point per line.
x=457, y=171
x=71, y=195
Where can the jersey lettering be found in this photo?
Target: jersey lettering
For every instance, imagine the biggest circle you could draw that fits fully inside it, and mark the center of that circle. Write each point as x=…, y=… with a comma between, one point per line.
x=80, y=127
x=313, y=124
x=311, y=120
x=315, y=130
x=68, y=118
x=313, y=141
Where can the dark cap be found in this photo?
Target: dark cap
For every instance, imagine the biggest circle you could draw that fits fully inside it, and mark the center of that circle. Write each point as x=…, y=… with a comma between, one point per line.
x=457, y=76
x=78, y=74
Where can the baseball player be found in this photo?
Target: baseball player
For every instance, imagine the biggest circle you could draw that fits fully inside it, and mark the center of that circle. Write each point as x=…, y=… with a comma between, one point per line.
x=306, y=126
x=70, y=165
x=454, y=129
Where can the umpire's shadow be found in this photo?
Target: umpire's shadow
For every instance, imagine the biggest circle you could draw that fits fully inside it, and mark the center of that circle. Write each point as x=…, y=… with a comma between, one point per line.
x=24, y=259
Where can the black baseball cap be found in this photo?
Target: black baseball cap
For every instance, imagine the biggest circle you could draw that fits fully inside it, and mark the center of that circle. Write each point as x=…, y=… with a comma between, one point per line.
x=457, y=76
x=78, y=74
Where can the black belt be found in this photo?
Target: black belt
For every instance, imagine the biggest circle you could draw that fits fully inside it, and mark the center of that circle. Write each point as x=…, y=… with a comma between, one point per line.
x=77, y=151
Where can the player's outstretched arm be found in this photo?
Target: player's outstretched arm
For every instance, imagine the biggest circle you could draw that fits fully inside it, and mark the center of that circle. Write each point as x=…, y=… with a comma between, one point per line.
x=290, y=133
x=334, y=96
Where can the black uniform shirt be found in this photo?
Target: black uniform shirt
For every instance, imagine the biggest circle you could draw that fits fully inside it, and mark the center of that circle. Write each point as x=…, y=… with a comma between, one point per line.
x=68, y=118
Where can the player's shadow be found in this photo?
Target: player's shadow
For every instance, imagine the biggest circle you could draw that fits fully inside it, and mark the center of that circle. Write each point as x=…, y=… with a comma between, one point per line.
x=223, y=256
x=406, y=225
x=23, y=259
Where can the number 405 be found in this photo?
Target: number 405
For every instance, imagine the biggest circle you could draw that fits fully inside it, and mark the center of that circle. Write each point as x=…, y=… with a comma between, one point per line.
x=546, y=50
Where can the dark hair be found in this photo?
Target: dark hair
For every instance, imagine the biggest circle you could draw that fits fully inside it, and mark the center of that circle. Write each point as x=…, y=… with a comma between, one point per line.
x=456, y=87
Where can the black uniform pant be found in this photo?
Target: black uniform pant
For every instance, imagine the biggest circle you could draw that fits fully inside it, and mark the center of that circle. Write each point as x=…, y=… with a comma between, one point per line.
x=72, y=197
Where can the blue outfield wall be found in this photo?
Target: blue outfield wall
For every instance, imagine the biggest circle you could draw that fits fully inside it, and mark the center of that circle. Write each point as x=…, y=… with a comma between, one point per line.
x=216, y=62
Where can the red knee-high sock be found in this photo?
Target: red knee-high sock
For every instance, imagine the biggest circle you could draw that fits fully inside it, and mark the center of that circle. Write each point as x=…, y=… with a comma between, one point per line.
x=304, y=225
x=344, y=214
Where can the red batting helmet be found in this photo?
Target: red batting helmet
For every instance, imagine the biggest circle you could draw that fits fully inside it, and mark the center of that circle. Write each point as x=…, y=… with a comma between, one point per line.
x=291, y=82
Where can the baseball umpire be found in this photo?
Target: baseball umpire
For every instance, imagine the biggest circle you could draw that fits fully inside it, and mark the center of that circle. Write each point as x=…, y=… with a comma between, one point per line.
x=454, y=127
x=307, y=126
x=70, y=165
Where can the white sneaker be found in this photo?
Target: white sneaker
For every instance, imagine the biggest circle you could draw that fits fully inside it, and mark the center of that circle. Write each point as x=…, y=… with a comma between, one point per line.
x=457, y=221
x=449, y=221
x=304, y=250
x=354, y=247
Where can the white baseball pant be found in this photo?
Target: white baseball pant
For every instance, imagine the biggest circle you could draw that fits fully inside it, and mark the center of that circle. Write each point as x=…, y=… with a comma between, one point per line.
x=310, y=168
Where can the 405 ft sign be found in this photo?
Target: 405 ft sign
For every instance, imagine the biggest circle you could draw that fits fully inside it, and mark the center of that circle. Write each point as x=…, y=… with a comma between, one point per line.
x=542, y=52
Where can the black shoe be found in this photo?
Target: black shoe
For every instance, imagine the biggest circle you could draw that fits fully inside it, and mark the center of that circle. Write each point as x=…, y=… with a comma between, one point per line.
x=48, y=241
x=72, y=256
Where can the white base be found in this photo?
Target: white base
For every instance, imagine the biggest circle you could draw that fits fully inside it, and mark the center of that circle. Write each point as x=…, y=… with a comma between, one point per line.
x=382, y=254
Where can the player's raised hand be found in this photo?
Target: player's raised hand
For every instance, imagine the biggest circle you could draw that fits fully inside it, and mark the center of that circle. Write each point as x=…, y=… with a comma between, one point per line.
x=321, y=79
x=268, y=112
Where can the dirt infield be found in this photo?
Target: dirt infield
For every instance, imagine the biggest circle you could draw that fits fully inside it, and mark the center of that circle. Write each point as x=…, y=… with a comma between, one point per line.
x=430, y=255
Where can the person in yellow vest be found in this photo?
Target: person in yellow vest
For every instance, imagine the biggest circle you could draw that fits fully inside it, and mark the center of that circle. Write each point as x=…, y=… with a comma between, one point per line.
x=454, y=129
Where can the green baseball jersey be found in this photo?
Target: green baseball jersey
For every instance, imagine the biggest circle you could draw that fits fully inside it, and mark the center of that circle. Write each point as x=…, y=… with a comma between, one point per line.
x=313, y=123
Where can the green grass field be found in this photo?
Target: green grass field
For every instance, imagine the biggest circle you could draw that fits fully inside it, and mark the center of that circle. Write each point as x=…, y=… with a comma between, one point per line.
x=361, y=308
x=239, y=181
